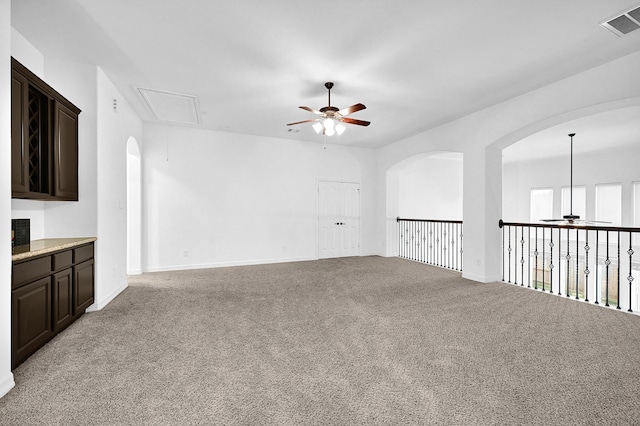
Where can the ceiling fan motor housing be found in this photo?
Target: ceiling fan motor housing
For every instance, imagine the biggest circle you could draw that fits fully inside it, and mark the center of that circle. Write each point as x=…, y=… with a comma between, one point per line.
x=329, y=109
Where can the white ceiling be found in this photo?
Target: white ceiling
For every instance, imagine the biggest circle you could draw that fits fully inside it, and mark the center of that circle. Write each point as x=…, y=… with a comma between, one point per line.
x=416, y=64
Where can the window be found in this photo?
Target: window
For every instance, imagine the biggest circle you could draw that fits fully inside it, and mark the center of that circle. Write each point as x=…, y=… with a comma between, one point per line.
x=579, y=204
x=609, y=203
x=541, y=206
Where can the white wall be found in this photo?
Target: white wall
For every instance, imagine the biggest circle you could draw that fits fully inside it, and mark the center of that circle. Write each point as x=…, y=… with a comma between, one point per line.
x=6, y=377
x=590, y=169
x=238, y=199
x=77, y=82
x=27, y=54
x=134, y=207
x=431, y=188
x=113, y=131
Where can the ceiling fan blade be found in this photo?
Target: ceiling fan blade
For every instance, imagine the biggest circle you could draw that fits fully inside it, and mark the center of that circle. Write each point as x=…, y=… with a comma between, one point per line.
x=576, y=221
x=306, y=108
x=303, y=121
x=593, y=222
x=351, y=109
x=354, y=121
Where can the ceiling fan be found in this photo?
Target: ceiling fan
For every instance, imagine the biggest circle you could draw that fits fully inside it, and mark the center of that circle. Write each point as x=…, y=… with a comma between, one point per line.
x=329, y=119
x=572, y=219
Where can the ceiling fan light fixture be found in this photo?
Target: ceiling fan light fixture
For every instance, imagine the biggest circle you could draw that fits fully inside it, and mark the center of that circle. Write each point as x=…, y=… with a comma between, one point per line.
x=330, y=119
x=329, y=123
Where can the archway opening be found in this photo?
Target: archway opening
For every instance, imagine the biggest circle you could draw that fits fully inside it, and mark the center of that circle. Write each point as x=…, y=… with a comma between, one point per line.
x=134, y=208
x=423, y=186
x=604, y=148
x=598, y=182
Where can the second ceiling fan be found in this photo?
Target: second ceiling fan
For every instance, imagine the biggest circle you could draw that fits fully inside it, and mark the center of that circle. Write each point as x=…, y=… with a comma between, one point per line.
x=572, y=219
x=329, y=118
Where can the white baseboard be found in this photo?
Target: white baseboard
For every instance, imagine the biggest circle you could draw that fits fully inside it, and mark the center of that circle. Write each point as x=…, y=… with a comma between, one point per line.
x=134, y=272
x=6, y=384
x=226, y=264
x=480, y=278
x=99, y=305
x=237, y=263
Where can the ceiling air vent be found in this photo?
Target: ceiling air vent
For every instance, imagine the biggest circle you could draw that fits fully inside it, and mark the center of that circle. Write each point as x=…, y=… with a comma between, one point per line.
x=625, y=22
x=173, y=107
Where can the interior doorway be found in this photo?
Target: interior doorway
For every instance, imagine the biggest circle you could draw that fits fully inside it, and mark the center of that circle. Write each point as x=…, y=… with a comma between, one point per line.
x=423, y=186
x=134, y=208
x=338, y=219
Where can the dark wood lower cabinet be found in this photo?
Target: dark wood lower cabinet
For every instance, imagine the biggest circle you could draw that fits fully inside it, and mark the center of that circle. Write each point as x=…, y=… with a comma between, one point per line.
x=83, y=285
x=62, y=299
x=31, y=326
x=48, y=293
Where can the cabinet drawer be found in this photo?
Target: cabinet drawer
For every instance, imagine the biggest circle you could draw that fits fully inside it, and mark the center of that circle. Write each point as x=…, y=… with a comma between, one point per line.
x=28, y=271
x=83, y=253
x=62, y=260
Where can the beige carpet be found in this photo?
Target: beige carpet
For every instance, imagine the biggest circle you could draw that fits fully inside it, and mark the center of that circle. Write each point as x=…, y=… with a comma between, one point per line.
x=343, y=341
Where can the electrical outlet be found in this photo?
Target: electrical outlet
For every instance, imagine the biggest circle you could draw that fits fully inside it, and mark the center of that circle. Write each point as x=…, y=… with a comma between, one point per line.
x=185, y=253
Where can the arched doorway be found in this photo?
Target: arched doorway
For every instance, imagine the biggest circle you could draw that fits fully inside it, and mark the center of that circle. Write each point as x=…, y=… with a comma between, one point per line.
x=134, y=207
x=423, y=186
x=600, y=186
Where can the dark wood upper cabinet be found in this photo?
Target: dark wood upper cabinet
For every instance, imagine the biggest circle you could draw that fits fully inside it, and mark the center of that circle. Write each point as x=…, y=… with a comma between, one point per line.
x=19, y=160
x=65, y=153
x=44, y=139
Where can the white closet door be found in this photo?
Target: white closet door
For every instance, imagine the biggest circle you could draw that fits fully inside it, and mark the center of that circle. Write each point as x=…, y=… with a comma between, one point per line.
x=338, y=219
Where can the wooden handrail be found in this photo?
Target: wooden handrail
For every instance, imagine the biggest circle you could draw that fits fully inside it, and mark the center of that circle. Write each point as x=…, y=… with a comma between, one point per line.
x=398, y=219
x=501, y=224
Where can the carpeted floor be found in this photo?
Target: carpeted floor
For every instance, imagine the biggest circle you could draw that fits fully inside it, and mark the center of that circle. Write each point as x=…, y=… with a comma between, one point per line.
x=342, y=341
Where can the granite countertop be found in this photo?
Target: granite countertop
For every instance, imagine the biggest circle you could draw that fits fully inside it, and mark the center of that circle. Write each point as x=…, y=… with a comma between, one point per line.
x=47, y=245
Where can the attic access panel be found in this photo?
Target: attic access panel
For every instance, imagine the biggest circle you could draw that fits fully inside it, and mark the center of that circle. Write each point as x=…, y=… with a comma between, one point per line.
x=170, y=106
